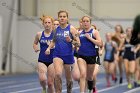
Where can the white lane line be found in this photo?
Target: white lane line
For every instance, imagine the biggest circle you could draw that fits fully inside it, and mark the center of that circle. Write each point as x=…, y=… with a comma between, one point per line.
x=10, y=82
x=133, y=90
x=112, y=87
x=75, y=88
x=27, y=90
x=38, y=88
x=31, y=89
x=18, y=85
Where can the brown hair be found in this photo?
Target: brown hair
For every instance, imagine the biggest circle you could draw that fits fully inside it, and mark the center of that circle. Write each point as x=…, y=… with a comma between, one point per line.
x=94, y=26
x=56, y=20
x=120, y=27
x=63, y=11
x=87, y=17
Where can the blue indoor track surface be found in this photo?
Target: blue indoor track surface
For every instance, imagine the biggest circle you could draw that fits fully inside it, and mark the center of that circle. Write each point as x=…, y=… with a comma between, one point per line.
x=29, y=83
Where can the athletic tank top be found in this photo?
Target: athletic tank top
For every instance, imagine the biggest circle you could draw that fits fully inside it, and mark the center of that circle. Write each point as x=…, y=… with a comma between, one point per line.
x=109, y=50
x=62, y=47
x=128, y=46
x=44, y=43
x=87, y=48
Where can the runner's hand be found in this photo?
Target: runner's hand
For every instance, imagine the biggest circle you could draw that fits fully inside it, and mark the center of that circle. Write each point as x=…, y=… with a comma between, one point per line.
x=47, y=52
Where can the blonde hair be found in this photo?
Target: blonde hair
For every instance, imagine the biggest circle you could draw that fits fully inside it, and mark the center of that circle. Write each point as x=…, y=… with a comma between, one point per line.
x=44, y=17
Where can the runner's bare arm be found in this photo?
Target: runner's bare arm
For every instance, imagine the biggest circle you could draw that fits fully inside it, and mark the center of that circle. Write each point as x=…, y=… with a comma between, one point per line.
x=35, y=44
x=75, y=35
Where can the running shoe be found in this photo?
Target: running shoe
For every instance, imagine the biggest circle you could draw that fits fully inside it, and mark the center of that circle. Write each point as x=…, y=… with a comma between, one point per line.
x=113, y=77
x=89, y=91
x=129, y=86
x=94, y=90
x=138, y=82
x=44, y=91
x=108, y=84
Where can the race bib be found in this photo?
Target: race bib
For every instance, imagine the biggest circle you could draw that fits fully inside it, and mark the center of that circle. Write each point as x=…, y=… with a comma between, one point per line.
x=66, y=33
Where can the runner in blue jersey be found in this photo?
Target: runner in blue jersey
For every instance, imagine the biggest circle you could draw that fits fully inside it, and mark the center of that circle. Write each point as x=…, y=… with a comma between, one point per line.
x=75, y=70
x=55, y=24
x=45, y=61
x=63, y=52
x=109, y=57
x=87, y=53
x=99, y=51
